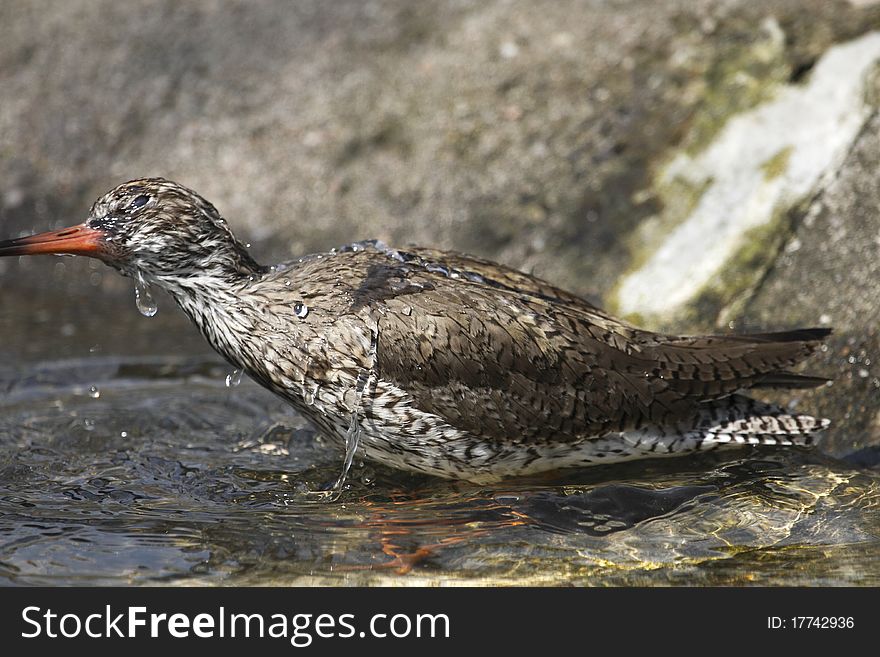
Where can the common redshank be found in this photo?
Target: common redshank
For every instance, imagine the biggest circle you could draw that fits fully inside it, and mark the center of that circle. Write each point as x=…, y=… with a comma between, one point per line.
x=437, y=362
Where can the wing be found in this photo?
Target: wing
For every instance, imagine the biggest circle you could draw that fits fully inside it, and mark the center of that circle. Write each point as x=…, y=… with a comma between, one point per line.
x=497, y=275
x=507, y=356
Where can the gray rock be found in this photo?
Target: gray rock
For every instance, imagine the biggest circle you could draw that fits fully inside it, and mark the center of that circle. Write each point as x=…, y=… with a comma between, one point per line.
x=830, y=271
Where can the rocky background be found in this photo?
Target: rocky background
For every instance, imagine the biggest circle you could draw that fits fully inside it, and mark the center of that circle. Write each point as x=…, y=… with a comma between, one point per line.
x=573, y=139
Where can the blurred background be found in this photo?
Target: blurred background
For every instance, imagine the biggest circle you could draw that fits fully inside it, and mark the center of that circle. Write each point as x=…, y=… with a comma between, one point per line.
x=693, y=166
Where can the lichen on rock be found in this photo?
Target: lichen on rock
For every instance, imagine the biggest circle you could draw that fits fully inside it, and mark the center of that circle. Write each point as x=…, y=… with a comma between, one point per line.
x=761, y=165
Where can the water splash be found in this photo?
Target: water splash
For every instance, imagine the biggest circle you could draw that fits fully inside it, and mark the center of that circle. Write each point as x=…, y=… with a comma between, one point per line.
x=363, y=245
x=352, y=440
x=233, y=378
x=94, y=393
x=144, y=301
x=361, y=388
x=411, y=259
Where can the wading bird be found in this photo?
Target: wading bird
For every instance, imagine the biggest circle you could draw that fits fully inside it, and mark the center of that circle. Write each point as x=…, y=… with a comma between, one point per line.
x=438, y=362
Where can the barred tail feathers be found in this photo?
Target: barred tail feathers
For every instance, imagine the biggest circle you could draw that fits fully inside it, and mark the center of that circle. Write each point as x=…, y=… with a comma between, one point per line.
x=732, y=421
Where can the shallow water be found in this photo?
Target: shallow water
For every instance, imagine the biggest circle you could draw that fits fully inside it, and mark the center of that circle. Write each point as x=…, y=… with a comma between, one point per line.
x=151, y=471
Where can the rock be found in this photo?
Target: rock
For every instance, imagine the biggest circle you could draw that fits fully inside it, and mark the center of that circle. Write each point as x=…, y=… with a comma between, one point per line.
x=829, y=273
x=758, y=169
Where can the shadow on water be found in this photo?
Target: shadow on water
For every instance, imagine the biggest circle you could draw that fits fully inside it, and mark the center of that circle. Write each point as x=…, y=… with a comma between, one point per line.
x=152, y=471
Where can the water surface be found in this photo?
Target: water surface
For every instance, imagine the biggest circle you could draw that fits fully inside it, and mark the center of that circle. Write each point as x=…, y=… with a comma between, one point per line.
x=152, y=470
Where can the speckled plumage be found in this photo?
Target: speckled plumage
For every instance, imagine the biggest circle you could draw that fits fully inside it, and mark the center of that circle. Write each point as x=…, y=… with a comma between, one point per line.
x=444, y=363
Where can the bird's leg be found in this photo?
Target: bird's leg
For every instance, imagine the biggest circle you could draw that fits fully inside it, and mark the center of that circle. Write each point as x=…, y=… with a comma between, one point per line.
x=394, y=532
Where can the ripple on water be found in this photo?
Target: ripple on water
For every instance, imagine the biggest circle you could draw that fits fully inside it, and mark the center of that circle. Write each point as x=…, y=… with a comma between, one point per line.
x=170, y=476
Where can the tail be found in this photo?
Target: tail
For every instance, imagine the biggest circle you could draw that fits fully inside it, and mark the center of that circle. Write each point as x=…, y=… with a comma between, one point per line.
x=714, y=366
x=739, y=419
x=810, y=339
x=734, y=420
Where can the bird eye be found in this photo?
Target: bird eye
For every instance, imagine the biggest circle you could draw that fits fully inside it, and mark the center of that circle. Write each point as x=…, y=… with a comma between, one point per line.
x=138, y=202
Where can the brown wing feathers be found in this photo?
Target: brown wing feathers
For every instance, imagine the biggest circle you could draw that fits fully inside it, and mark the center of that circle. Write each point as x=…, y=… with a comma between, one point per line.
x=557, y=367
x=711, y=366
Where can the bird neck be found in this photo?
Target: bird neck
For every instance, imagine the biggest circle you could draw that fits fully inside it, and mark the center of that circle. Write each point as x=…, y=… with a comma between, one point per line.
x=198, y=269
x=204, y=275
x=220, y=305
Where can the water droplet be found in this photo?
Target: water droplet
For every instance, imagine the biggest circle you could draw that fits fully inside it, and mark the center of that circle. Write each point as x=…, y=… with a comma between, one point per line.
x=95, y=348
x=233, y=378
x=286, y=283
x=863, y=373
x=435, y=268
x=398, y=284
x=145, y=302
x=123, y=434
x=301, y=310
x=89, y=424
x=94, y=393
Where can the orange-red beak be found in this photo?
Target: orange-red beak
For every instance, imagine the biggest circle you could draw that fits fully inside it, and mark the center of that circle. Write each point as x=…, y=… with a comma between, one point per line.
x=76, y=240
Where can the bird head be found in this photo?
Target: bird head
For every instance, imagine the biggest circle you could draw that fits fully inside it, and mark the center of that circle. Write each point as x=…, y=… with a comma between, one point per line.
x=153, y=230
